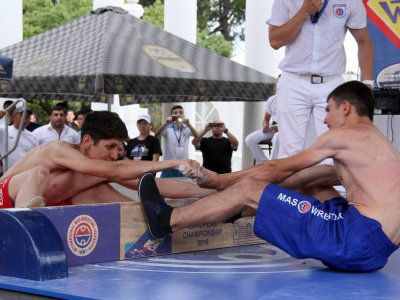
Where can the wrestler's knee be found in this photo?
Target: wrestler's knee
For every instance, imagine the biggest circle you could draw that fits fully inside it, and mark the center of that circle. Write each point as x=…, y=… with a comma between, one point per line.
x=249, y=185
x=251, y=190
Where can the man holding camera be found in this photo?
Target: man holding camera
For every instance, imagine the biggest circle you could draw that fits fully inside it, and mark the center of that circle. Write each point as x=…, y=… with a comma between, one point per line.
x=217, y=150
x=176, y=130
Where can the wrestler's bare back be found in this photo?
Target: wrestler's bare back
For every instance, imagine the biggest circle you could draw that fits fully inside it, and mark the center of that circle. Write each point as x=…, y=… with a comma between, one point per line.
x=369, y=168
x=64, y=182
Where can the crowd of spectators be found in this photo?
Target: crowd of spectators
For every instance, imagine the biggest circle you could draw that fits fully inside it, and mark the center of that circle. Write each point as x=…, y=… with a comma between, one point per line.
x=64, y=124
x=60, y=127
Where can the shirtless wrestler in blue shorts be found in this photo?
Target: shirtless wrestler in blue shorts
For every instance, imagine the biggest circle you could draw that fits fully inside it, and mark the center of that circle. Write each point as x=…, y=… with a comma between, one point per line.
x=355, y=234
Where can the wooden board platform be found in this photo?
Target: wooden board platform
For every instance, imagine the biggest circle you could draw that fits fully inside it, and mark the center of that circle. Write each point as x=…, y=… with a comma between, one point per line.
x=136, y=241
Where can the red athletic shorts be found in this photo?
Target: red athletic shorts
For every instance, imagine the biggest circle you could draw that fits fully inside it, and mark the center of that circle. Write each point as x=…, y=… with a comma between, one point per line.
x=5, y=199
x=65, y=202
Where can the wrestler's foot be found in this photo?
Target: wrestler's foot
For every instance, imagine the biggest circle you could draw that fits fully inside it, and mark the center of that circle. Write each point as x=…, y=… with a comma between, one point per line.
x=153, y=204
x=36, y=202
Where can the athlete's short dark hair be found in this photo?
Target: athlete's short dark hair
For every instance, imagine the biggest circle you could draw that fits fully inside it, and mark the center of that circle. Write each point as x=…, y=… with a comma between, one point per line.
x=358, y=94
x=104, y=125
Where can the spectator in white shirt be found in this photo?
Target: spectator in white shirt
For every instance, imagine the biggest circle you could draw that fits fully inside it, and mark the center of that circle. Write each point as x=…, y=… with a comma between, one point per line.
x=56, y=130
x=27, y=141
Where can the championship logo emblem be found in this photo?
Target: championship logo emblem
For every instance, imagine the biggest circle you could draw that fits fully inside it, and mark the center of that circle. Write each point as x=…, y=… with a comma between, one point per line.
x=339, y=10
x=83, y=235
x=304, y=206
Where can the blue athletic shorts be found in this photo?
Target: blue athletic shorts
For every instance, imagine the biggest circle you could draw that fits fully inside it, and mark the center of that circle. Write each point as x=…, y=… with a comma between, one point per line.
x=333, y=232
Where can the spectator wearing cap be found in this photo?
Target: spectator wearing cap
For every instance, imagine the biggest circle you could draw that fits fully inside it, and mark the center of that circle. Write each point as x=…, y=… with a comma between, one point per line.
x=27, y=140
x=56, y=130
x=145, y=146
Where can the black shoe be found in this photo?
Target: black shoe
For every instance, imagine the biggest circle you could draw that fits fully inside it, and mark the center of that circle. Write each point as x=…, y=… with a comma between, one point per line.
x=153, y=204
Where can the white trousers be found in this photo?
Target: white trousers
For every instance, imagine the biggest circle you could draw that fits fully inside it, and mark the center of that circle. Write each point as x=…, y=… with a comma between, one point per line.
x=297, y=99
x=254, y=138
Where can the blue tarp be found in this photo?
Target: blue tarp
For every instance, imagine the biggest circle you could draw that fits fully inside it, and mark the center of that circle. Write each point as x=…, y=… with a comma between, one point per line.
x=6, y=67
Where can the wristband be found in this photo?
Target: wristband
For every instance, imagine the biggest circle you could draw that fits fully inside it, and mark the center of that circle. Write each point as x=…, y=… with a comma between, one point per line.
x=226, y=130
x=369, y=82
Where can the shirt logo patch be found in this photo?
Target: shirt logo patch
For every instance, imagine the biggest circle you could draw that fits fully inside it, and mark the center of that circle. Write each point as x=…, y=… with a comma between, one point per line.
x=339, y=10
x=304, y=206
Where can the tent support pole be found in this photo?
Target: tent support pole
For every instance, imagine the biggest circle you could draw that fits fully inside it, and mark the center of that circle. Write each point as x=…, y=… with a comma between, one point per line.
x=109, y=101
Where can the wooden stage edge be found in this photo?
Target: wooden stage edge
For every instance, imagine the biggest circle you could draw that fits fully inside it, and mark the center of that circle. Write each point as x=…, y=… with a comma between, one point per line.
x=41, y=243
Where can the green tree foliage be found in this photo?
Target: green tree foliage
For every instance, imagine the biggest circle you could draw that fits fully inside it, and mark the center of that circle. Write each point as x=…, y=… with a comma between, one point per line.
x=215, y=42
x=225, y=17
x=42, y=15
x=154, y=13
x=222, y=16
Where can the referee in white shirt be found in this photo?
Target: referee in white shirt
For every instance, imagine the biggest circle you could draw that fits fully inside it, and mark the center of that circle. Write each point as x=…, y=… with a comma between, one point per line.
x=313, y=32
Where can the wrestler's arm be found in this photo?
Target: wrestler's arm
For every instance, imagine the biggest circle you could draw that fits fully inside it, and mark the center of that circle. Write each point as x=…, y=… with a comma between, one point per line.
x=115, y=171
x=276, y=171
x=316, y=176
x=280, y=36
x=172, y=188
x=365, y=52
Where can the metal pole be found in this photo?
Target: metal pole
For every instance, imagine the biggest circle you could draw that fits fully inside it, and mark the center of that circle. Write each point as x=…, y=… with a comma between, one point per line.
x=21, y=125
x=110, y=100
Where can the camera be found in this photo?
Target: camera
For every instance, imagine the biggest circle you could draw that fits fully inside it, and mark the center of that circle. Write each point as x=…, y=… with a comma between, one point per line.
x=178, y=119
x=215, y=125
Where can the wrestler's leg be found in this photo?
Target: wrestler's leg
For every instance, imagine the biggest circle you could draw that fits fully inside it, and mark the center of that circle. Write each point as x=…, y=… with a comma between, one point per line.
x=100, y=193
x=27, y=185
x=241, y=198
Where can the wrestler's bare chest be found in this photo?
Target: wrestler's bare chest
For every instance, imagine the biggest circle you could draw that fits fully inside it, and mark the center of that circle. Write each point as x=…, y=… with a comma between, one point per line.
x=66, y=183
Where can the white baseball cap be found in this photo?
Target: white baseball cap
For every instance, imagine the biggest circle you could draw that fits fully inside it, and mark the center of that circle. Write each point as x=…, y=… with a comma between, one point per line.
x=144, y=117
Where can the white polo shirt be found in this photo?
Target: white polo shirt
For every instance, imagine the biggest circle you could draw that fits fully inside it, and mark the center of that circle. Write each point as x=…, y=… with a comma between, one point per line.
x=27, y=141
x=318, y=48
x=46, y=133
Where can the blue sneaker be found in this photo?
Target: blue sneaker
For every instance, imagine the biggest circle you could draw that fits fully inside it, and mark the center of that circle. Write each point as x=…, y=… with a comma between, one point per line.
x=153, y=204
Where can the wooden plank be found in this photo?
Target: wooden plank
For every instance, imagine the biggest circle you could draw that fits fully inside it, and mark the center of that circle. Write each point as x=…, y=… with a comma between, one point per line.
x=116, y=231
x=135, y=237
